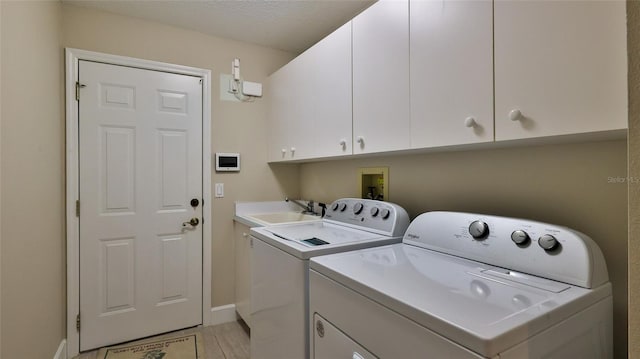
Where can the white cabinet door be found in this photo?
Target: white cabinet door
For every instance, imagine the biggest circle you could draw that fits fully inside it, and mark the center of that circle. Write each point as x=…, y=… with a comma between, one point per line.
x=278, y=115
x=242, y=244
x=560, y=67
x=381, y=78
x=330, y=76
x=310, y=107
x=451, y=72
x=299, y=119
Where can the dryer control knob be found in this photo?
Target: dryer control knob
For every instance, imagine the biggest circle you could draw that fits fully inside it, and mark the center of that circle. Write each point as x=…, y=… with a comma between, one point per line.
x=357, y=208
x=374, y=211
x=385, y=213
x=335, y=206
x=520, y=237
x=478, y=229
x=548, y=242
x=343, y=206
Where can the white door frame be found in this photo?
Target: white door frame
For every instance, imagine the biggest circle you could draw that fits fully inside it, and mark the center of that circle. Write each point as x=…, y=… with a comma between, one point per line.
x=73, y=56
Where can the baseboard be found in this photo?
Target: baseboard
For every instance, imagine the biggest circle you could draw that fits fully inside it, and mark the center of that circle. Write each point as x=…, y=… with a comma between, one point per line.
x=223, y=314
x=61, y=353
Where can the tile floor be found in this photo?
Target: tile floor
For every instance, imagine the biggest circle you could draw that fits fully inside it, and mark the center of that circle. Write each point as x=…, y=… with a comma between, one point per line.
x=224, y=341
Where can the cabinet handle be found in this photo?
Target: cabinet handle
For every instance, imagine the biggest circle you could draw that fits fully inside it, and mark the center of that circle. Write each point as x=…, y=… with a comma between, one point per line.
x=360, y=140
x=515, y=115
x=284, y=152
x=343, y=144
x=470, y=122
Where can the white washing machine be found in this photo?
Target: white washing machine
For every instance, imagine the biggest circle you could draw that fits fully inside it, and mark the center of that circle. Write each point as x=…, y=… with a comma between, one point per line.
x=464, y=286
x=280, y=268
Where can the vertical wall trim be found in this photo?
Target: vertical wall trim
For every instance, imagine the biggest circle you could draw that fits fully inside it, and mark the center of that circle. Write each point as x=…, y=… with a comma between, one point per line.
x=1, y=178
x=633, y=172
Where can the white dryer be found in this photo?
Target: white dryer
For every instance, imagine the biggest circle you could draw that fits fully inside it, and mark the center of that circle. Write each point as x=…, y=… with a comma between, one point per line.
x=464, y=285
x=280, y=268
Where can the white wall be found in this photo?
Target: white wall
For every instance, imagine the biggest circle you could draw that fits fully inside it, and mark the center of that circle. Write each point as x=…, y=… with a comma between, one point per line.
x=32, y=181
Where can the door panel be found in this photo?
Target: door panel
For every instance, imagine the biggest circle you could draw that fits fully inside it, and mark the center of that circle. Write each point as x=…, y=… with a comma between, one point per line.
x=560, y=68
x=140, y=165
x=117, y=282
x=381, y=119
x=451, y=58
x=330, y=343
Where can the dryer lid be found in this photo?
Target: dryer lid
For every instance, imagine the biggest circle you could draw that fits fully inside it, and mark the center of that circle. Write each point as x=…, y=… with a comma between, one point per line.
x=468, y=302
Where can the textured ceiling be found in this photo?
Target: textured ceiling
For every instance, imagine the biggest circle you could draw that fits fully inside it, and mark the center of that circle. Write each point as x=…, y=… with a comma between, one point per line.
x=292, y=25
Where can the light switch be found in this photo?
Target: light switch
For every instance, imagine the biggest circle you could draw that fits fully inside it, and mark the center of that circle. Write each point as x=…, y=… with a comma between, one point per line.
x=219, y=192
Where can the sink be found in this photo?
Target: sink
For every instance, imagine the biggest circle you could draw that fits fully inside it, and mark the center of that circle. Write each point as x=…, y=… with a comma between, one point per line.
x=281, y=217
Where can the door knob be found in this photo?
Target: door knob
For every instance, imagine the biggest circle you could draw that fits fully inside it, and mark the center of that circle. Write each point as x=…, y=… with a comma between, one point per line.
x=193, y=222
x=195, y=202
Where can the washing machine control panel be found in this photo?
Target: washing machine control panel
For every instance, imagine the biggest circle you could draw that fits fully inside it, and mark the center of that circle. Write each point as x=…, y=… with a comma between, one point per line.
x=375, y=216
x=532, y=247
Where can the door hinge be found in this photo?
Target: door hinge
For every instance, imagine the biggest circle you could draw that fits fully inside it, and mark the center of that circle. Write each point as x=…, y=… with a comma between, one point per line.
x=78, y=322
x=78, y=87
x=78, y=208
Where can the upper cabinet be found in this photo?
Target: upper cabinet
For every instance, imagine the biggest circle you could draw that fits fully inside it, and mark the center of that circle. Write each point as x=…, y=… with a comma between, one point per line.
x=560, y=67
x=331, y=79
x=410, y=75
x=288, y=112
x=381, y=78
x=310, y=107
x=451, y=53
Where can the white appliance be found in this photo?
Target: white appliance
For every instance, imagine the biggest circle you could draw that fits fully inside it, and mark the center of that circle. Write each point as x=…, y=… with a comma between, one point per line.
x=464, y=286
x=280, y=270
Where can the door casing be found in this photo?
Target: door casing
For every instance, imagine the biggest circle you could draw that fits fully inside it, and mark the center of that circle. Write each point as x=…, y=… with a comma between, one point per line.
x=72, y=185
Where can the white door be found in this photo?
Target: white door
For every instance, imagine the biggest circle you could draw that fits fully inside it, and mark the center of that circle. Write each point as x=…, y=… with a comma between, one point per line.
x=140, y=134
x=381, y=78
x=332, y=108
x=451, y=56
x=560, y=68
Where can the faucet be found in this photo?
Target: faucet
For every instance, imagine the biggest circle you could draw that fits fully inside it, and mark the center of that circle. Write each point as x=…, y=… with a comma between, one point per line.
x=308, y=207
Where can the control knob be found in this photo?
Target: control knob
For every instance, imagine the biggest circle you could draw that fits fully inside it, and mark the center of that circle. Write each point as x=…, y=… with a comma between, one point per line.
x=343, y=206
x=357, y=208
x=520, y=237
x=478, y=229
x=548, y=242
x=374, y=211
x=334, y=206
x=385, y=213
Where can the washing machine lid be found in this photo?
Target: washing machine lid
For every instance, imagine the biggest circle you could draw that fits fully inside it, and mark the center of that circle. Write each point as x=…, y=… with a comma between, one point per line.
x=306, y=240
x=482, y=307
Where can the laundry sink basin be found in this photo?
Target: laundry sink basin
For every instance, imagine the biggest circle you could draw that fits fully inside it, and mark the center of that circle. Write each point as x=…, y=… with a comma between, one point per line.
x=281, y=217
